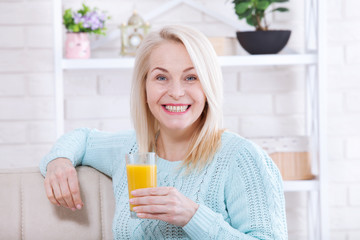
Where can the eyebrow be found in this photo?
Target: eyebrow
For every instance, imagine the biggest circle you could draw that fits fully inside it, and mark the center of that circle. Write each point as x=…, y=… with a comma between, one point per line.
x=164, y=70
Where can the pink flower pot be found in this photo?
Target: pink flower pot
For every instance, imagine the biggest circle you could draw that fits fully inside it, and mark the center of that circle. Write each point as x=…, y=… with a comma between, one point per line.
x=77, y=45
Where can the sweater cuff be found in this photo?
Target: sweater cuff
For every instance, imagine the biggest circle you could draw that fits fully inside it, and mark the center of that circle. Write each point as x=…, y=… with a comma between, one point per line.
x=201, y=223
x=52, y=156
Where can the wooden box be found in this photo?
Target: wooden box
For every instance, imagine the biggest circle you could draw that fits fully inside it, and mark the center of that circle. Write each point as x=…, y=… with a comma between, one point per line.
x=290, y=154
x=224, y=46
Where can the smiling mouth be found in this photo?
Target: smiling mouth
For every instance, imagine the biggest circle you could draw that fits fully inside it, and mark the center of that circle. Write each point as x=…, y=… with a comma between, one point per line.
x=176, y=109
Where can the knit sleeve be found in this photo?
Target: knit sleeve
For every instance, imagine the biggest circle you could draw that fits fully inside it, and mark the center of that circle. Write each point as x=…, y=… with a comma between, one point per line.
x=71, y=145
x=101, y=150
x=254, y=200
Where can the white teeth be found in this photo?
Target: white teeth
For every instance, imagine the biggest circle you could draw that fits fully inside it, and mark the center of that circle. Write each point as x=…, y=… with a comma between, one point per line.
x=176, y=108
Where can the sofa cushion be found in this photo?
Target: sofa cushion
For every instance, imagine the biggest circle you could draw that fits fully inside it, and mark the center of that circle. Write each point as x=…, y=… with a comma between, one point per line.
x=26, y=213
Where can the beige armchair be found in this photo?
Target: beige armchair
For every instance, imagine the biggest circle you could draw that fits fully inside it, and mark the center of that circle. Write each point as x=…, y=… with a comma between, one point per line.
x=26, y=213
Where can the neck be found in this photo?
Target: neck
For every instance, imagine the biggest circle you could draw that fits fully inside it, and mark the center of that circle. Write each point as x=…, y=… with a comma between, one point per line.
x=173, y=147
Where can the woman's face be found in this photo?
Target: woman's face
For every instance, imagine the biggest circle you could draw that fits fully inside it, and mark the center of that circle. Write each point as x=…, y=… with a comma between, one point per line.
x=173, y=90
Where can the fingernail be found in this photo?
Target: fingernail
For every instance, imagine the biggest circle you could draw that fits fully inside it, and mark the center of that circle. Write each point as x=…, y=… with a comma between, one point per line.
x=131, y=200
x=78, y=206
x=135, y=209
x=73, y=209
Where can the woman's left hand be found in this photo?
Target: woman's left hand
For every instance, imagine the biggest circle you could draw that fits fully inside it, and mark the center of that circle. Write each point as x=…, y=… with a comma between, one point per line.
x=163, y=203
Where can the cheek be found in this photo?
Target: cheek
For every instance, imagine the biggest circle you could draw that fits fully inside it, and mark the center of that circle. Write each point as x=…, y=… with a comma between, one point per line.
x=200, y=96
x=150, y=96
x=153, y=95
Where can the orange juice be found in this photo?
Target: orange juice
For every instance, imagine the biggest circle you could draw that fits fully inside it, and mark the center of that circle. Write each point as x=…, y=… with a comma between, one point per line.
x=140, y=176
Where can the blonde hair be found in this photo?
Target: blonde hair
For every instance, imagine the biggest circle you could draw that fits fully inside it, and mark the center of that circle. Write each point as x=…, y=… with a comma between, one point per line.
x=206, y=140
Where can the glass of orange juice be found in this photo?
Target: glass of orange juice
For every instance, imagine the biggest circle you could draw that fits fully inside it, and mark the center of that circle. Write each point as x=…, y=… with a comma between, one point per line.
x=141, y=173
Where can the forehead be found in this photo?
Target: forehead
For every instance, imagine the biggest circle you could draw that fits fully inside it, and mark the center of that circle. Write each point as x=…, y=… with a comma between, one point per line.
x=171, y=54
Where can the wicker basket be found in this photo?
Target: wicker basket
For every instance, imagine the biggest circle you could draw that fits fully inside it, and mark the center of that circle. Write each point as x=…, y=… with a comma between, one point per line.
x=291, y=156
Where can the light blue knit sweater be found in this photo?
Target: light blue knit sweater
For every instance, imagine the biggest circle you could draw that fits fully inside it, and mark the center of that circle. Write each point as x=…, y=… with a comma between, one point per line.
x=240, y=193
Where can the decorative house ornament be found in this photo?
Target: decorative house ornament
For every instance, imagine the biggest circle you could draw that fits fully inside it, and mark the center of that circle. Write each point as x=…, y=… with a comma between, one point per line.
x=132, y=34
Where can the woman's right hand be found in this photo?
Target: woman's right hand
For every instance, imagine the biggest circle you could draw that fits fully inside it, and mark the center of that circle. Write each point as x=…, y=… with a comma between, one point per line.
x=62, y=184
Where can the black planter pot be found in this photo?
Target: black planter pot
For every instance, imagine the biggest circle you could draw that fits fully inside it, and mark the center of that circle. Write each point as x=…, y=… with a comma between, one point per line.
x=263, y=42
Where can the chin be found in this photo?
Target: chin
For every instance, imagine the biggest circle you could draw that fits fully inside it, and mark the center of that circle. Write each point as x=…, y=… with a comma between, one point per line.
x=177, y=127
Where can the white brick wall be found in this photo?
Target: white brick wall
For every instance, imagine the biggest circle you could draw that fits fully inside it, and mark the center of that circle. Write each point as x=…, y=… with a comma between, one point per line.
x=39, y=36
x=26, y=108
x=247, y=104
x=13, y=132
x=354, y=196
x=345, y=218
x=338, y=195
x=97, y=107
x=38, y=60
x=352, y=148
x=12, y=37
x=289, y=103
x=352, y=54
x=267, y=126
x=350, y=8
x=78, y=83
x=10, y=9
x=12, y=85
x=271, y=79
x=344, y=115
x=41, y=84
x=265, y=101
x=354, y=235
x=118, y=83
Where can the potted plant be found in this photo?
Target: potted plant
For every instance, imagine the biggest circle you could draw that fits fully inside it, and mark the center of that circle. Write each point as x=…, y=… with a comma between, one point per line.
x=78, y=25
x=262, y=40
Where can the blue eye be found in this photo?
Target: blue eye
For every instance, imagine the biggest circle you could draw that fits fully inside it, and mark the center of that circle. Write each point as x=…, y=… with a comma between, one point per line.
x=191, y=78
x=161, y=78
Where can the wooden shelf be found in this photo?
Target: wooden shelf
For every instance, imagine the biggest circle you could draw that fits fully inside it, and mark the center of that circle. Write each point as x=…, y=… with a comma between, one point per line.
x=268, y=60
x=225, y=61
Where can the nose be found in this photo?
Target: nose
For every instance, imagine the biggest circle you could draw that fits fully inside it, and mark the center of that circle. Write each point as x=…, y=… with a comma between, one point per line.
x=176, y=89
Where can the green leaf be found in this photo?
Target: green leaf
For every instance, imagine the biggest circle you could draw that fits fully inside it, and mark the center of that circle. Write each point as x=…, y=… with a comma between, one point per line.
x=242, y=7
x=263, y=5
x=74, y=28
x=241, y=1
x=245, y=14
x=67, y=18
x=281, y=9
x=251, y=20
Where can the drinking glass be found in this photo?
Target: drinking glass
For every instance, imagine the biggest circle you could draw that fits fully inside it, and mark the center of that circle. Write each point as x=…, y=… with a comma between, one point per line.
x=141, y=173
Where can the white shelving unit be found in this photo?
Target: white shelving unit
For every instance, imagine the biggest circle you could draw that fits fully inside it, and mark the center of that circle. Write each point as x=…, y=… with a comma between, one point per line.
x=314, y=59
x=225, y=61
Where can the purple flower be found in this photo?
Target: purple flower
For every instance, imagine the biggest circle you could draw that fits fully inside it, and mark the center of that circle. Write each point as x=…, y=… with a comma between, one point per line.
x=92, y=20
x=86, y=24
x=77, y=18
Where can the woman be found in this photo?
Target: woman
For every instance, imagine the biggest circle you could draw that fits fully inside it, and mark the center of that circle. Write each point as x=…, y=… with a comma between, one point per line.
x=213, y=184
